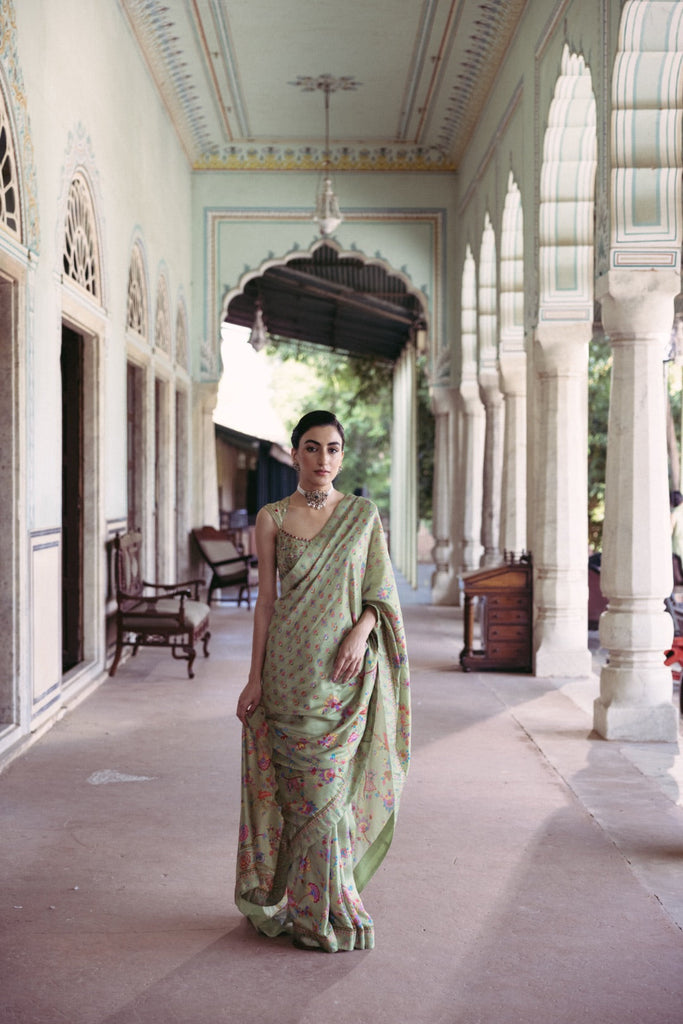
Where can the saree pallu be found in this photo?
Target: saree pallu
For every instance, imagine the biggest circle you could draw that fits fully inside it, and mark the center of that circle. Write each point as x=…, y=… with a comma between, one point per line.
x=323, y=763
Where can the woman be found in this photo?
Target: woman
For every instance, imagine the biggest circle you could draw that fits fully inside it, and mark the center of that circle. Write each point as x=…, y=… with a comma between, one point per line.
x=325, y=712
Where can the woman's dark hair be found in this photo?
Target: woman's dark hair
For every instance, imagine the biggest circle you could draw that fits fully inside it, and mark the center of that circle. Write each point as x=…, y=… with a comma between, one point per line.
x=319, y=418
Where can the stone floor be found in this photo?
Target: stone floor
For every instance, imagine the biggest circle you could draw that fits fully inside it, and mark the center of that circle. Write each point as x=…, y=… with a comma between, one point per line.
x=536, y=874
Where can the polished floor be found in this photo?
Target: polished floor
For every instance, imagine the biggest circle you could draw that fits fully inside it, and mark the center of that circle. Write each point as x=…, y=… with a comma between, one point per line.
x=536, y=874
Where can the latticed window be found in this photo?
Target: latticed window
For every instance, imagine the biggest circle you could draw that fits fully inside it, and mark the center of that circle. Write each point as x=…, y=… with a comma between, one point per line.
x=136, y=318
x=162, y=322
x=9, y=192
x=81, y=262
x=181, y=340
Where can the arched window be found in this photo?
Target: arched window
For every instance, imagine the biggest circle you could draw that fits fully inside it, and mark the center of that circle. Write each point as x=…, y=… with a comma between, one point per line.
x=81, y=257
x=136, y=317
x=9, y=191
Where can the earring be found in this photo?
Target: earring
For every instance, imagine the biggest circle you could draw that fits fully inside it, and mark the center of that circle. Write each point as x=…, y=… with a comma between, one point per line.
x=297, y=467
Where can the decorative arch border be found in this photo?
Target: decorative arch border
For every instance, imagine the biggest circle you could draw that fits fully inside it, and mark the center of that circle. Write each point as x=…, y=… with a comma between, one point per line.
x=468, y=317
x=487, y=296
x=512, y=270
x=14, y=98
x=647, y=147
x=567, y=196
x=80, y=161
x=434, y=218
x=343, y=254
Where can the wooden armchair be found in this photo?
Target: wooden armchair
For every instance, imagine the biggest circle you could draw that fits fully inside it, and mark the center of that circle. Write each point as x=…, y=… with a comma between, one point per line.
x=229, y=566
x=172, y=617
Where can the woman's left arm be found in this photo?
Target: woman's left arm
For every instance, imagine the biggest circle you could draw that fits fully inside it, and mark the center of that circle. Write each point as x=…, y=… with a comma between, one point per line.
x=351, y=653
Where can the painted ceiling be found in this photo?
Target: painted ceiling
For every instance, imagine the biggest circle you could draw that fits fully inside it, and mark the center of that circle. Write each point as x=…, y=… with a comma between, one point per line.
x=230, y=75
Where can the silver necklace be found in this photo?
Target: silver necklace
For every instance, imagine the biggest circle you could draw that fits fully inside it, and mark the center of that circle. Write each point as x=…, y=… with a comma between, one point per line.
x=315, y=499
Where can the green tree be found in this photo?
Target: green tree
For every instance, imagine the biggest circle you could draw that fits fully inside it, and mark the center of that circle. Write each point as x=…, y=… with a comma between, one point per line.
x=599, y=376
x=358, y=390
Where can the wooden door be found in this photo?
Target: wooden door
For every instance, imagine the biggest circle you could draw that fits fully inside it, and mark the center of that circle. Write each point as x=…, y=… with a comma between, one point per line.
x=72, y=498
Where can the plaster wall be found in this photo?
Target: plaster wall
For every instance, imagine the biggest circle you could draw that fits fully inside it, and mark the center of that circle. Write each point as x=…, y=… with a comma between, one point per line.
x=408, y=221
x=92, y=104
x=88, y=104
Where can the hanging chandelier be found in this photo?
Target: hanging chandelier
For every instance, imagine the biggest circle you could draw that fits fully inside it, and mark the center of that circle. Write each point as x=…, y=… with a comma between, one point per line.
x=327, y=214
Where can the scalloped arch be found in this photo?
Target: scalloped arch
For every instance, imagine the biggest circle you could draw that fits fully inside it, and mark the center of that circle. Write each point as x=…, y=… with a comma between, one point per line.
x=647, y=155
x=567, y=196
x=512, y=269
x=342, y=254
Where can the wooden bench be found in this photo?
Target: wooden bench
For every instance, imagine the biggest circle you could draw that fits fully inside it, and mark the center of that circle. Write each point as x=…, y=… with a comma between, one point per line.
x=172, y=617
x=229, y=565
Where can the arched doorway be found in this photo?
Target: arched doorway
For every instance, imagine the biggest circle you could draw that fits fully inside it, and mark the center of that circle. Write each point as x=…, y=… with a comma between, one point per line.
x=351, y=304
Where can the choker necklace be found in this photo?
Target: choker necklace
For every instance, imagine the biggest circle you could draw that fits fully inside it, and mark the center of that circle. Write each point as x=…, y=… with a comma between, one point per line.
x=315, y=499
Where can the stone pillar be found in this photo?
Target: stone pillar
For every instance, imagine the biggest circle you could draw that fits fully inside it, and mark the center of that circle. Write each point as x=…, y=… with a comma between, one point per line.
x=492, y=400
x=205, y=472
x=560, y=543
x=444, y=578
x=469, y=483
x=635, y=701
x=513, y=539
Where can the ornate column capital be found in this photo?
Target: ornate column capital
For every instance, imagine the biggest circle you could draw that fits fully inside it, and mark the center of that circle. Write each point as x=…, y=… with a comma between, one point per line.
x=444, y=400
x=512, y=373
x=637, y=303
x=560, y=348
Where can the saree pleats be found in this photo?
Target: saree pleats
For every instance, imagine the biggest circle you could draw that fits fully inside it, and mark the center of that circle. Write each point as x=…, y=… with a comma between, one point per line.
x=323, y=763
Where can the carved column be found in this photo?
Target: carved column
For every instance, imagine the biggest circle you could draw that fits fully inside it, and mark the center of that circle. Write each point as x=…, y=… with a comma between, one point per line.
x=560, y=545
x=513, y=537
x=205, y=473
x=469, y=483
x=492, y=400
x=635, y=700
x=444, y=577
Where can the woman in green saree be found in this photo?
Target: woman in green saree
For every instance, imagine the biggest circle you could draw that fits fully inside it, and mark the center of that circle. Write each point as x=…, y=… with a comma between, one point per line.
x=326, y=710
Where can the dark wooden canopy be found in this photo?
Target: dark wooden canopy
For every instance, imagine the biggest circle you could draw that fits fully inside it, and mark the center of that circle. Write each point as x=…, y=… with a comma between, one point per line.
x=341, y=302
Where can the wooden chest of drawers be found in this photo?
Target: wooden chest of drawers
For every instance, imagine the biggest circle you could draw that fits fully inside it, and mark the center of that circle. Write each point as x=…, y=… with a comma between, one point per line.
x=503, y=596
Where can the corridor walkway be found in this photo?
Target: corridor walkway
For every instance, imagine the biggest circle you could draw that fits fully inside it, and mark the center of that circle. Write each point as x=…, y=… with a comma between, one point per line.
x=536, y=875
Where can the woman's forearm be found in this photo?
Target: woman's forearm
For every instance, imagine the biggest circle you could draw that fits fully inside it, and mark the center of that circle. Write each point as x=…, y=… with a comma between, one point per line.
x=367, y=621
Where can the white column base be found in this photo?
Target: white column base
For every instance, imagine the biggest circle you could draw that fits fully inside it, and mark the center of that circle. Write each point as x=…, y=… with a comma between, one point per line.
x=658, y=724
x=445, y=587
x=574, y=664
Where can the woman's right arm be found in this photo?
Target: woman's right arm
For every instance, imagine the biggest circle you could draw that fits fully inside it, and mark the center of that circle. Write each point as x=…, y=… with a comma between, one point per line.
x=266, y=534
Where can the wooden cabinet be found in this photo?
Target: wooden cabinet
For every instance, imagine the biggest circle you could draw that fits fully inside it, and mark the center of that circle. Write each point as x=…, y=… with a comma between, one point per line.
x=503, y=596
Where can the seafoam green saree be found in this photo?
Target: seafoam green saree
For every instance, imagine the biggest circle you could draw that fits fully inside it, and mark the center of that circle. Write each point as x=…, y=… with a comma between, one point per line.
x=323, y=763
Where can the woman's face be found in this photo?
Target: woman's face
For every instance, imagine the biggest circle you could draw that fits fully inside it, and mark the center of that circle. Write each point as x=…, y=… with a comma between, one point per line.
x=320, y=456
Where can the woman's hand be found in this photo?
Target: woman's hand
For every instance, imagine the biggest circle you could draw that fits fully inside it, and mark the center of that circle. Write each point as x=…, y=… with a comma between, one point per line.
x=249, y=699
x=351, y=654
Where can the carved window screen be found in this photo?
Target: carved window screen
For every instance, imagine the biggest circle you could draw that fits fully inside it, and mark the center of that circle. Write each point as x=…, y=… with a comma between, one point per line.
x=9, y=190
x=136, y=318
x=162, y=322
x=81, y=260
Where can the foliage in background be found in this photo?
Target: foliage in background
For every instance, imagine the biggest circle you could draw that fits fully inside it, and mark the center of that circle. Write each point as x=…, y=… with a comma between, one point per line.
x=599, y=374
x=359, y=392
x=425, y=446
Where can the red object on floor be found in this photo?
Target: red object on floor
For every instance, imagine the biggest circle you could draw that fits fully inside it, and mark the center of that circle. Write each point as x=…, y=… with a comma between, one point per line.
x=674, y=657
